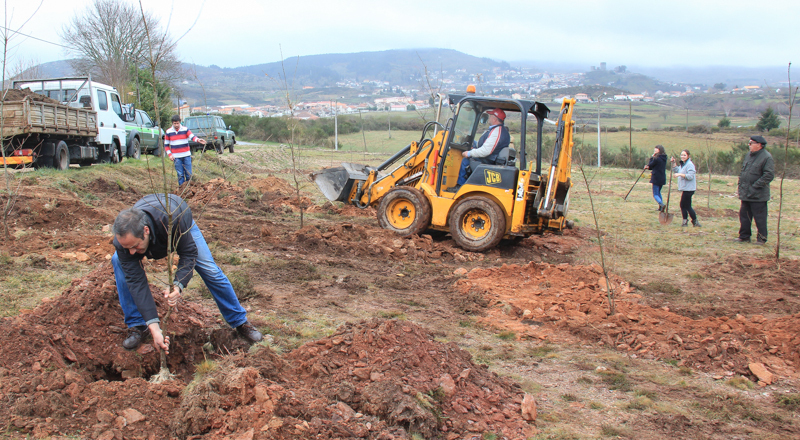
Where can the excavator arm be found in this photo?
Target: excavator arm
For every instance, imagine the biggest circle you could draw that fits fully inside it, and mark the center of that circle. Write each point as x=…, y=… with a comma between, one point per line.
x=555, y=201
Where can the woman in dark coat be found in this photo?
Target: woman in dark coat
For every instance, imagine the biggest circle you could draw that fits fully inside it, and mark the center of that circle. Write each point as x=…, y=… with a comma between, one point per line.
x=658, y=176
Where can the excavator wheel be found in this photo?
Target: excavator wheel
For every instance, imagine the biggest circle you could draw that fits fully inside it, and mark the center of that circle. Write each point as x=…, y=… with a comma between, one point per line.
x=477, y=224
x=405, y=210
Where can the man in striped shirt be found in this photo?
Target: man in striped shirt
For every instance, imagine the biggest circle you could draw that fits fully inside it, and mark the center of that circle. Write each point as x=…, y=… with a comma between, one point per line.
x=176, y=145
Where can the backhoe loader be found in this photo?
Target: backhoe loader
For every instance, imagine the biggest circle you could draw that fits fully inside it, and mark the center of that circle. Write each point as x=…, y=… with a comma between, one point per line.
x=508, y=199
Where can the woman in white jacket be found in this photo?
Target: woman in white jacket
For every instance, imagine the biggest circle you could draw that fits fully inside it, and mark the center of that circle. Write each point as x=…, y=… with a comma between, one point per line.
x=687, y=185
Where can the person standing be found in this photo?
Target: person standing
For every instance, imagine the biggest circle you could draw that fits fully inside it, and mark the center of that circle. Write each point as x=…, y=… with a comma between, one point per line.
x=658, y=174
x=687, y=185
x=176, y=145
x=758, y=170
x=141, y=231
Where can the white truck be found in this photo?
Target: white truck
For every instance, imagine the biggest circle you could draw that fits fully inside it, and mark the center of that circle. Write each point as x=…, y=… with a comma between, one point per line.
x=86, y=126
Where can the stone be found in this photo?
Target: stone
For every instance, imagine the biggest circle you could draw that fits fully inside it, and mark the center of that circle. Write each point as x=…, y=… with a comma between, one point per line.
x=448, y=385
x=460, y=271
x=528, y=408
x=132, y=416
x=761, y=372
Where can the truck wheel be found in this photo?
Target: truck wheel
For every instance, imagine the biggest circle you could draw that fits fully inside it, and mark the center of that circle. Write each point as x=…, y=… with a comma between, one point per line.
x=404, y=210
x=220, y=147
x=61, y=158
x=136, y=149
x=230, y=149
x=157, y=151
x=477, y=224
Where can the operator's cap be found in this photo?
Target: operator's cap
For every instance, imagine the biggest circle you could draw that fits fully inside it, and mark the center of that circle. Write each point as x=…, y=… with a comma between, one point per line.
x=759, y=139
x=500, y=114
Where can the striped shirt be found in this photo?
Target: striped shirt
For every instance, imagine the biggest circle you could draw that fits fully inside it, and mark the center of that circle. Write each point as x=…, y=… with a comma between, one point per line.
x=176, y=143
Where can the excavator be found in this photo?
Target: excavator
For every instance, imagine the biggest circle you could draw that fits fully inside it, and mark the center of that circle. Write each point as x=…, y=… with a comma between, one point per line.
x=415, y=190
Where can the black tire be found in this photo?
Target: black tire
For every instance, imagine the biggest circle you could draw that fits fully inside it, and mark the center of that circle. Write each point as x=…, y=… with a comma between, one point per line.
x=136, y=149
x=157, y=151
x=233, y=142
x=61, y=158
x=404, y=210
x=477, y=224
x=220, y=147
x=44, y=162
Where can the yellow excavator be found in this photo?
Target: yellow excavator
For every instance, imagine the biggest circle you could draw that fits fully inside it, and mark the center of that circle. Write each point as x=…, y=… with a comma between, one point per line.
x=415, y=190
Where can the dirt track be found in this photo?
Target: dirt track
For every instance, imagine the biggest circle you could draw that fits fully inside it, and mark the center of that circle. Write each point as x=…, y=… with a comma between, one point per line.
x=63, y=372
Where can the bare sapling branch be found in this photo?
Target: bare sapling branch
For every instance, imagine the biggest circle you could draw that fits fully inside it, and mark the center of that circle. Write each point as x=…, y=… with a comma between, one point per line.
x=792, y=98
x=612, y=308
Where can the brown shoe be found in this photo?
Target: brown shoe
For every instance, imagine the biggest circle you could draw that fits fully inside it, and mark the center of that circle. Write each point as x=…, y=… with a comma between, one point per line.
x=249, y=332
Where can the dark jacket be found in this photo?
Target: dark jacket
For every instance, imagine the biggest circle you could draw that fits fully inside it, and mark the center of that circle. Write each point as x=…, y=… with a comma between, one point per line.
x=658, y=166
x=155, y=207
x=758, y=170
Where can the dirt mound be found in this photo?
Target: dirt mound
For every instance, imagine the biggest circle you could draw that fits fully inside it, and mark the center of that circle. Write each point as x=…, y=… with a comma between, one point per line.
x=359, y=240
x=219, y=191
x=379, y=379
x=63, y=372
x=63, y=369
x=536, y=298
x=272, y=187
x=26, y=93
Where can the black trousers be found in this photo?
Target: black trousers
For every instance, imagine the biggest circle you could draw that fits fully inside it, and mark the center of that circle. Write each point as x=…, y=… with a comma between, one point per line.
x=686, y=205
x=748, y=212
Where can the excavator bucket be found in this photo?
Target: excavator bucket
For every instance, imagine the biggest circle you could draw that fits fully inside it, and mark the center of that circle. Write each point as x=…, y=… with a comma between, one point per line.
x=337, y=183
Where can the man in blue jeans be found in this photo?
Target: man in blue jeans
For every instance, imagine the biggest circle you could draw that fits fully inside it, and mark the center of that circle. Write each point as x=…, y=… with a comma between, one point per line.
x=141, y=231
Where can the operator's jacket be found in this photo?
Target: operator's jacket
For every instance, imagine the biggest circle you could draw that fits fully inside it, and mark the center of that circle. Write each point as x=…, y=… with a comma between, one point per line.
x=489, y=145
x=154, y=205
x=758, y=170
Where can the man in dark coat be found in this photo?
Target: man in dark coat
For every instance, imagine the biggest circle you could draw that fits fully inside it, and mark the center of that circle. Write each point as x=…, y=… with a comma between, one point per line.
x=142, y=231
x=758, y=170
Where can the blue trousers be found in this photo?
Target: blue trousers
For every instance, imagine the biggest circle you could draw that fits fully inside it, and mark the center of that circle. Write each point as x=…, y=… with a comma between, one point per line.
x=657, y=194
x=463, y=174
x=216, y=282
x=183, y=166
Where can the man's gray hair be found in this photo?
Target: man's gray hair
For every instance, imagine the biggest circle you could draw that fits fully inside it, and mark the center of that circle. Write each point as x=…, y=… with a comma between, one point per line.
x=130, y=221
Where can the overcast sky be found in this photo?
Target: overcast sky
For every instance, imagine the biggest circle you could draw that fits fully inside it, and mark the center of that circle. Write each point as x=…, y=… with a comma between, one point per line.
x=233, y=33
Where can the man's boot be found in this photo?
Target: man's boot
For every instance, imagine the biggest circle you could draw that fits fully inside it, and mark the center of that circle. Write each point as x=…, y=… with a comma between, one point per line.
x=685, y=222
x=696, y=223
x=249, y=332
x=135, y=337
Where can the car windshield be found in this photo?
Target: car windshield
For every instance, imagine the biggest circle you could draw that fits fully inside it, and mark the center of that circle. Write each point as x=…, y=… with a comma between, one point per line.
x=201, y=122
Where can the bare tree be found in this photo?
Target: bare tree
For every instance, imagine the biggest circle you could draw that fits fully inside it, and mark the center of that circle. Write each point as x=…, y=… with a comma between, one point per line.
x=26, y=69
x=108, y=38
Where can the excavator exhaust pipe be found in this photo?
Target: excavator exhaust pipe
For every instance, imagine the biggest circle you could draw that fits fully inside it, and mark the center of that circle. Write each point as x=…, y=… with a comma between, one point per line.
x=337, y=183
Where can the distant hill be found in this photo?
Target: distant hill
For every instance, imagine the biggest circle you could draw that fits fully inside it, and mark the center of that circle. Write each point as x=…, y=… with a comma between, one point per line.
x=404, y=67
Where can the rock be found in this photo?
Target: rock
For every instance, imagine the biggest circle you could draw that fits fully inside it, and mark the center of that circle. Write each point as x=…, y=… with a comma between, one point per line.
x=260, y=393
x=528, y=408
x=761, y=372
x=460, y=271
x=247, y=435
x=448, y=385
x=107, y=435
x=104, y=416
x=132, y=416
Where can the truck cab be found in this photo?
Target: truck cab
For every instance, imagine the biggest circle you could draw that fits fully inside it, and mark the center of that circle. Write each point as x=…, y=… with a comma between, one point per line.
x=82, y=92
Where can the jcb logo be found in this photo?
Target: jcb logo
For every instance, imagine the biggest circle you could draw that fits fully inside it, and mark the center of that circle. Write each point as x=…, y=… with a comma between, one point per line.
x=492, y=177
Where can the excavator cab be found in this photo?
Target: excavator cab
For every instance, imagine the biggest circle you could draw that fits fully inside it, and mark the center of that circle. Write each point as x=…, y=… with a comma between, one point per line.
x=509, y=198
x=470, y=122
